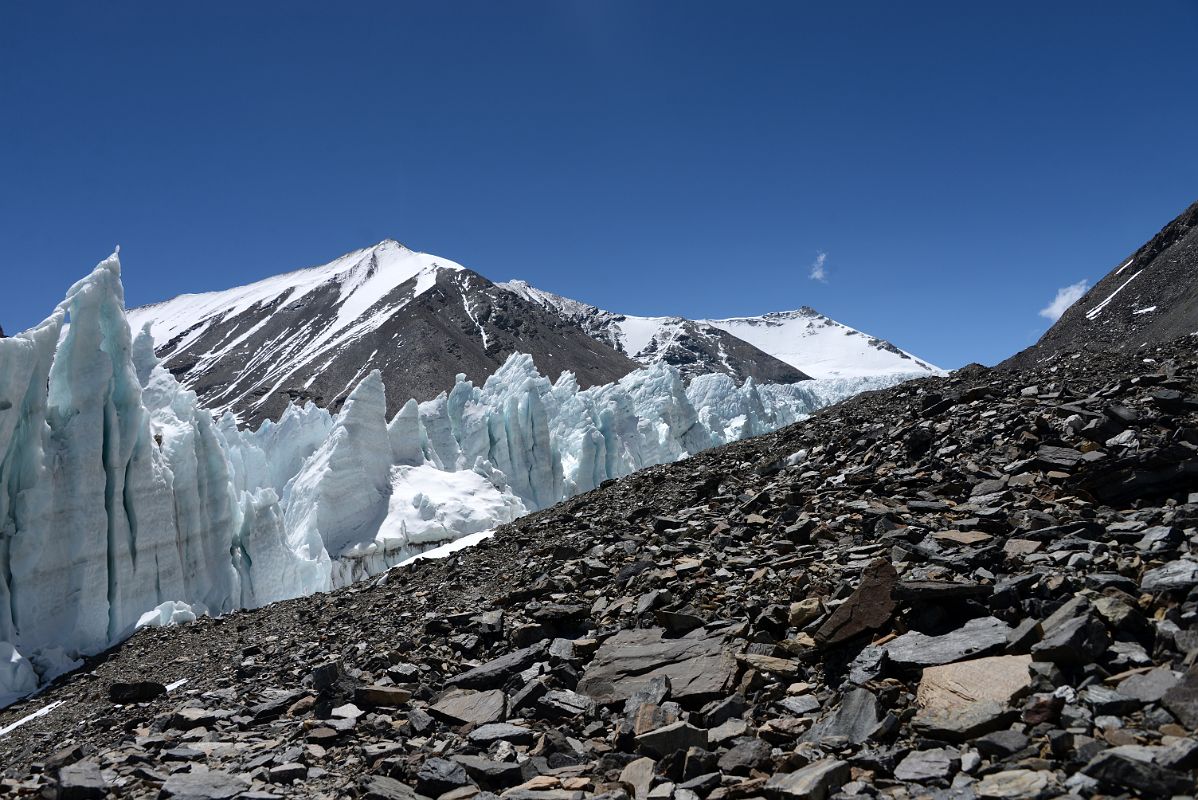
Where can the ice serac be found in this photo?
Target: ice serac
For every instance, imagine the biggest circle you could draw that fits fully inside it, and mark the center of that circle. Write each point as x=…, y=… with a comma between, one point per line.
x=338, y=500
x=98, y=543
x=25, y=361
x=407, y=435
x=116, y=490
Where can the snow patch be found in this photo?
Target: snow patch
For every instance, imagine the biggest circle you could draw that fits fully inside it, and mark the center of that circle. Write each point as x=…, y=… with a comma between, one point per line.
x=1094, y=312
x=41, y=712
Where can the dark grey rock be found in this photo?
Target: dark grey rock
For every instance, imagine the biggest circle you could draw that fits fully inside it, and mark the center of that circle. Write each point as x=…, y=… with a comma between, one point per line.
x=671, y=738
x=855, y=719
x=745, y=756
x=137, y=692
x=975, y=638
x=1117, y=769
x=815, y=781
x=212, y=785
x=927, y=765
x=382, y=787
x=484, y=735
x=1182, y=699
x=438, y=776
x=1178, y=575
x=1075, y=641
x=81, y=781
x=1151, y=686
x=495, y=673
x=696, y=668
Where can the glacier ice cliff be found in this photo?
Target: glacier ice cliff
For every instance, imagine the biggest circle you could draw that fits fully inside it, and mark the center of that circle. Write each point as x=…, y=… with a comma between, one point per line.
x=123, y=502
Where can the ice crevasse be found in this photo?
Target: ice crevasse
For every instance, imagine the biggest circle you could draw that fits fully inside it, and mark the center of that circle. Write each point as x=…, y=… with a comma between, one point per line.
x=123, y=502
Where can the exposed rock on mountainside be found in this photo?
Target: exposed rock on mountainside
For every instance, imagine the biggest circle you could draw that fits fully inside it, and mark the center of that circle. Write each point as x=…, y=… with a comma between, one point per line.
x=694, y=348
x=985, y=584
x=1149, y=298
x=313, y=334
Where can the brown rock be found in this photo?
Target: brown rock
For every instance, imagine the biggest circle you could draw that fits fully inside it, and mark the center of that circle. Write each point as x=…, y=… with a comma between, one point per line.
x=868, y=608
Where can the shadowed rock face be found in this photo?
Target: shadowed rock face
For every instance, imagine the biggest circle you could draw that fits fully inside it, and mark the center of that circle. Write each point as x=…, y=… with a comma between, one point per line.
x=700, y=349
x=693, y=347
x=1149, y=298
x=925, y=611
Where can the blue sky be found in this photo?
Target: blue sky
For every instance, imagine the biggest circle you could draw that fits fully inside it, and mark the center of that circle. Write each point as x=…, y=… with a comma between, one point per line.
x=958, y=163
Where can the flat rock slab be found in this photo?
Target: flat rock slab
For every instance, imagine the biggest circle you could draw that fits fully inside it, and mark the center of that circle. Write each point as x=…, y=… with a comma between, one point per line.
x=380, y=787
x=813, y=782
x=81, y=781
x=855, y=719
x=500, y=732
x=1176, y=575
x=678, y=736
x=386, y=696
x=203, y=786
x=962, y=537
x=1151, y=686
x=952, y=686
x=463, y=706
x=628, y=661
x=1021, y=783
x=974, y=637
x=958, y=723
x=496, y=672
x=927, y=765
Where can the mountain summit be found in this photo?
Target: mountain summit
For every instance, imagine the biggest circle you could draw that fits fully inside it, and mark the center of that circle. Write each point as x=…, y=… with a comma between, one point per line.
x=314, y=333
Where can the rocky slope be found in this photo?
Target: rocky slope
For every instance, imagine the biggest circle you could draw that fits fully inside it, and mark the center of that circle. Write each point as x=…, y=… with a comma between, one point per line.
x=1149, y=298
x=694, y=348
x=975, y=586
x=313, y=334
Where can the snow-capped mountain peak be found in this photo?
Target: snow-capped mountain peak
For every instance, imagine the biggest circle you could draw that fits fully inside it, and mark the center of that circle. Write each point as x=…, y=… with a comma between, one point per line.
x=312, y=334
x=362, y=277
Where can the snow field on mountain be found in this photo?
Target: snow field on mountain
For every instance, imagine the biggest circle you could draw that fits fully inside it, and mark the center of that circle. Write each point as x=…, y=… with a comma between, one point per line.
x=123, y=502
x=822, y=347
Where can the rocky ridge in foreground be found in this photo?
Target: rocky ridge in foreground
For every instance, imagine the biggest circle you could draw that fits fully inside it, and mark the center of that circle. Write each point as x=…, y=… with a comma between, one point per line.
x=976, y=586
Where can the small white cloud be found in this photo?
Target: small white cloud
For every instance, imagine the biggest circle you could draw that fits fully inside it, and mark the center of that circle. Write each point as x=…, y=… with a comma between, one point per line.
x=818, y=273
x=1066, y=296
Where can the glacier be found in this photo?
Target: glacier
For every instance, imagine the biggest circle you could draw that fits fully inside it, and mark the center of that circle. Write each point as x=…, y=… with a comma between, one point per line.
x=125, y=503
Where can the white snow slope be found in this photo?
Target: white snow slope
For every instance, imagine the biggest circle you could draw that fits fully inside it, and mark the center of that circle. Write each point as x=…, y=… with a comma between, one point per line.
x=821, y=346
x=807, y=340
x=125, y=503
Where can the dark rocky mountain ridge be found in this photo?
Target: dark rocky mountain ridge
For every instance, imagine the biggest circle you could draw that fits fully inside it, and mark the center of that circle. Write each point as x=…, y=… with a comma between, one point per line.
x=1150, y=298
x=694, y=348
x=984, y=585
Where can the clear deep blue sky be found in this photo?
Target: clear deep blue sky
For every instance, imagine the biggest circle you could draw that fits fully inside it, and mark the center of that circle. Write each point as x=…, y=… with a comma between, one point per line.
x=957, y=162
